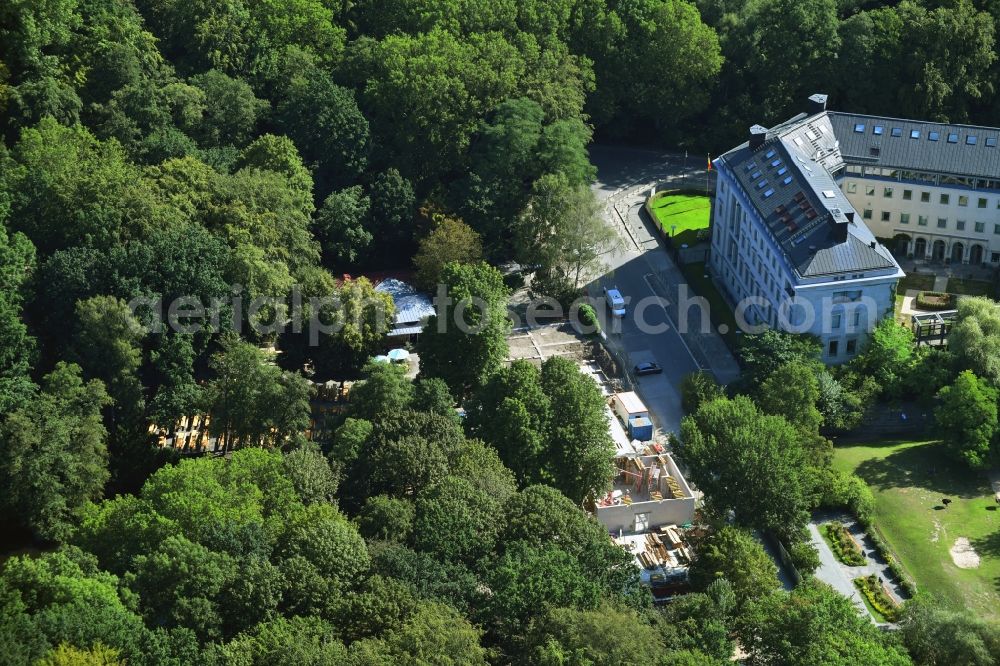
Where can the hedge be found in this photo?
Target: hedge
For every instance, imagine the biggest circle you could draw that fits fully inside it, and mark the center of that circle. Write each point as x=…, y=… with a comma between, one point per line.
x=935, y=300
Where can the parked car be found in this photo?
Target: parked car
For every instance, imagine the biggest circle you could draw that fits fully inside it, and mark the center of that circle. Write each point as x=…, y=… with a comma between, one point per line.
x=615, y=301
x=648, y=368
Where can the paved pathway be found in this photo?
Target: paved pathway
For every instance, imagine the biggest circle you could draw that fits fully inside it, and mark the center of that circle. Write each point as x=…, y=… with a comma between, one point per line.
x=841, y=576
x=833, y=573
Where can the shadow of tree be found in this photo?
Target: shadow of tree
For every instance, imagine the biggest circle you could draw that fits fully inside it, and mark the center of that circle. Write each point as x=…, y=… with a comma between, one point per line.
x=989, y=546
x=927, y=466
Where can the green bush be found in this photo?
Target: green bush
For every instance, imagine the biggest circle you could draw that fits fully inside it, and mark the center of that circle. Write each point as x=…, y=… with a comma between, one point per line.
x=871, y=587
x=842, y=544
x=805, y=557
x=514, y=281
x=849, y=491
x=860, y=500
x=935, y=300
x=588, y=317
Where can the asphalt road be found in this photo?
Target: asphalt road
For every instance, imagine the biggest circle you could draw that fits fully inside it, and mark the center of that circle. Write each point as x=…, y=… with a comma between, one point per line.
x=625, y=177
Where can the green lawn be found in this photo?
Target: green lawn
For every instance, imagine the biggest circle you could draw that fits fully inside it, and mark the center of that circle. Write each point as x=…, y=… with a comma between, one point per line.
x=970, y=287
x=909, y=480
x=918, y=281
x=689, y=213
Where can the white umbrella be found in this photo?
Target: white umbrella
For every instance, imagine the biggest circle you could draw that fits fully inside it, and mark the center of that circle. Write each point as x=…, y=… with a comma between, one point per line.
x=398, y=355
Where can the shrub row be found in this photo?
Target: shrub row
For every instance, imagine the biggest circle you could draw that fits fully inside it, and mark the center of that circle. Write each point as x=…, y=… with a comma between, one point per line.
x=871, y=587
x=843, y=545
x=838, y=490
x=894, y=565
x=935, y=300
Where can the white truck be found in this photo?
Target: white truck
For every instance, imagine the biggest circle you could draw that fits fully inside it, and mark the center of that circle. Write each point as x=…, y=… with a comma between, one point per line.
x=615, y=301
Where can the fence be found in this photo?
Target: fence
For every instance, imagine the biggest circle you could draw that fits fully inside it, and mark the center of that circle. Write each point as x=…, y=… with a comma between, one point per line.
x=786, y=559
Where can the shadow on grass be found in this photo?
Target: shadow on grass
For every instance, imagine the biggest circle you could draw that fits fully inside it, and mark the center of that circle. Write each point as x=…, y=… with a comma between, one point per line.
x=879, y=444
x=926, y=466
x=989, y=546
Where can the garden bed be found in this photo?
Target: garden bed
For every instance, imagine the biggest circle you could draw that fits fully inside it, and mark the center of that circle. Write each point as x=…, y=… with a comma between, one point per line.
x=935, y=300
x=842, y=543
x=878, y=599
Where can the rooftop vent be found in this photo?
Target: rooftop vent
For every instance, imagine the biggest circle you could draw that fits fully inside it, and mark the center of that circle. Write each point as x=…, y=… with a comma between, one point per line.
x=757, y=136
x=817, y=103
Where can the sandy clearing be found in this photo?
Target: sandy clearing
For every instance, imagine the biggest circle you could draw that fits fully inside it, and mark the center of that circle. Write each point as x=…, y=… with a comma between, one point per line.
x=964, y=555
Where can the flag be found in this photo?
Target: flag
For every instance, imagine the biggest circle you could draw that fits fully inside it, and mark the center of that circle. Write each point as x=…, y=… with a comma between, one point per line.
x=710, y=162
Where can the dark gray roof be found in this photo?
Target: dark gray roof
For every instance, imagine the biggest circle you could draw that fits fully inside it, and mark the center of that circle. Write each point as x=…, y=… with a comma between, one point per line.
x=806, y=212
x=929, y=151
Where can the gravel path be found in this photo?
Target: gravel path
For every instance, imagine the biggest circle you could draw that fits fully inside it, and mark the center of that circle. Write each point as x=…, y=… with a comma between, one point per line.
x=838, y=573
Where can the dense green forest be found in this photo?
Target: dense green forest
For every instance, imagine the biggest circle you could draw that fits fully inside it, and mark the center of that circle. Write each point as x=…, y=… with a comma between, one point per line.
x=223, y=151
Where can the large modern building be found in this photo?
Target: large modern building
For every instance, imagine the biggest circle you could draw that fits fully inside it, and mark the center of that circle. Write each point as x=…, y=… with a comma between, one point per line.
x=789, y=248
x=802, y=211
x=932, y=190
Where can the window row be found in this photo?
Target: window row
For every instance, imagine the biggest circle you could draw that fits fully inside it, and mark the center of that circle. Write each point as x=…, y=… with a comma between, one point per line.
x=932, y=135
x=923, y=221
x=925, y=197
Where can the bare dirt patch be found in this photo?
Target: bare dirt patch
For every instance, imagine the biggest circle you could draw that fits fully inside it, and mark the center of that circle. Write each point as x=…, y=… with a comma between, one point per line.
x=964, y=555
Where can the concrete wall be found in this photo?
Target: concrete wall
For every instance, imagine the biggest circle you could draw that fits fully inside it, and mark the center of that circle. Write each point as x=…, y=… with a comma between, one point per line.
x=621, y=518
x=847, y=323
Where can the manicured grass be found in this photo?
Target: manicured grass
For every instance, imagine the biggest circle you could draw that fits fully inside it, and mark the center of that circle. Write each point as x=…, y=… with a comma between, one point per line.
x=720, y=312
x=918, y=281
x=970, y=287
x=909, y=480
x=689, y=213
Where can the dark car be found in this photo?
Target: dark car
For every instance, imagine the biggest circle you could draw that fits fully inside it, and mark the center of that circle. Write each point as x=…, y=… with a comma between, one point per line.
x=648, y=369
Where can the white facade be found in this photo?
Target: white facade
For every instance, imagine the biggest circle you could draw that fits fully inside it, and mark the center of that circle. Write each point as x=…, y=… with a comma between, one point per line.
x=766, y=290
x=927, y=221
